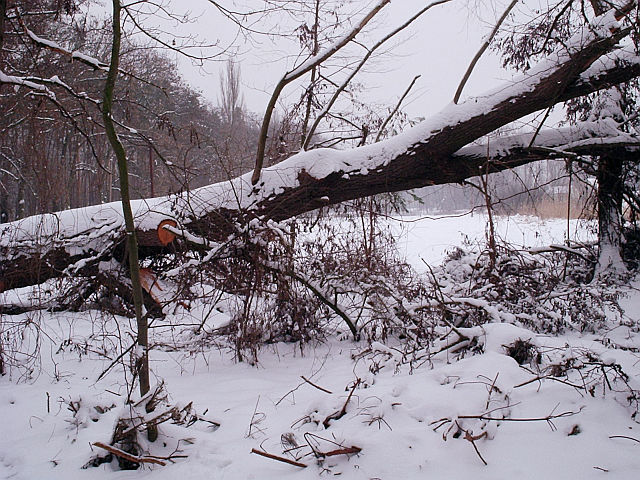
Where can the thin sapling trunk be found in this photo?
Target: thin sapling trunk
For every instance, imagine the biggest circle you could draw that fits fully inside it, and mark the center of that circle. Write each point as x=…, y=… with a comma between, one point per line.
x=142, y=359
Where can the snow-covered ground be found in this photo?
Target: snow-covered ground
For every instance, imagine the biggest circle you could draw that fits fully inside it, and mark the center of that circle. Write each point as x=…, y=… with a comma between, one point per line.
x=407, y=420
x=429, y=238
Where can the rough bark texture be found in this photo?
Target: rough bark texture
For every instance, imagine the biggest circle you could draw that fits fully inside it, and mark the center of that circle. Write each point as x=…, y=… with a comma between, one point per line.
x=3, y=14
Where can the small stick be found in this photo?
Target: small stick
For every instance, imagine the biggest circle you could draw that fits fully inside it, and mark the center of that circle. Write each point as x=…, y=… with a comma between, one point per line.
x=343, y=412
x=279, y=459
x=472, y=439
x=624, y=436
x=493, y=386
x=314, y=385
x=132, y=458
x=352, y=450
x=549, y=377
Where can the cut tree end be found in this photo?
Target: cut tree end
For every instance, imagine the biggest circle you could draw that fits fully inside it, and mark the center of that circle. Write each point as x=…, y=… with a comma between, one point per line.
x=164, y=235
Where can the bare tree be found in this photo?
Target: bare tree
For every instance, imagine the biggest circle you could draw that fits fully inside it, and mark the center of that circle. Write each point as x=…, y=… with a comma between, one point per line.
x=231, y=102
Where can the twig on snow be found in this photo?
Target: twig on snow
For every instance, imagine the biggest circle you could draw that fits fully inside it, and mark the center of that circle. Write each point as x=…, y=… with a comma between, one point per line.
x=279, y=459
x=352, y=450
x=127, y=456
x=314, y=385
x=468, y=436
x=341, y=450
x=624, y=436
x=342, y=412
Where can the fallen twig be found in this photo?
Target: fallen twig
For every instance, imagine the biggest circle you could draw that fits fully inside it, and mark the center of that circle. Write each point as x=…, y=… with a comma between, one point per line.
x=352, y=450
x=341, y=413
x=314, y=443
x=127, y=456
x=549, y=377
x=486, y=416
x=279, y=459
x=472, y=439
x=624, y=436
x=314, y=385
x=508, y=419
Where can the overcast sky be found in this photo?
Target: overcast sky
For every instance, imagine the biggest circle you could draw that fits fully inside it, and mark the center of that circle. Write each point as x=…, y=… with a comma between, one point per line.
x=439, y=47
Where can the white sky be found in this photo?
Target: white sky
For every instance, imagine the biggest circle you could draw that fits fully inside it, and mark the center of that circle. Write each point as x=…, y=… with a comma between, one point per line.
x=439, y=46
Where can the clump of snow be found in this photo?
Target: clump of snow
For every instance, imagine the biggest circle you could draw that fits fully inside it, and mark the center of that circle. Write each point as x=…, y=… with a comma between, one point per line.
x=497, y=337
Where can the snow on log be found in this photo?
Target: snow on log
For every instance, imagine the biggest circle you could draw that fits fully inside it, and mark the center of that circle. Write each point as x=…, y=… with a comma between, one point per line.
x=40, y=247
x=77, y=241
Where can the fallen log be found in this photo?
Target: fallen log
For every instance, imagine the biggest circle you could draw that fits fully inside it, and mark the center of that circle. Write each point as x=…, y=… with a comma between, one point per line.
x=437, y=151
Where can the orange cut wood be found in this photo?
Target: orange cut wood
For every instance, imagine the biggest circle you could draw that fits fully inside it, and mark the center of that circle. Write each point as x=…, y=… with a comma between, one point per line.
x=164, y=235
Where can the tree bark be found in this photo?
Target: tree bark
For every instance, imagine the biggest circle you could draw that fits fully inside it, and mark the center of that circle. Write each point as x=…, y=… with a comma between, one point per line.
x=3, y=15
x=610, y=189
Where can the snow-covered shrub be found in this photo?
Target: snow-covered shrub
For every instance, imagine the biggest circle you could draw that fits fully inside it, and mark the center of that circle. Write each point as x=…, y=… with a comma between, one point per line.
x=302, y=280
x=545, y=291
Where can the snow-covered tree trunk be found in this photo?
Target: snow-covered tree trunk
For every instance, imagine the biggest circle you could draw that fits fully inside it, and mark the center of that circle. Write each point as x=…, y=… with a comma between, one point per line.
x=437, y=151
x=610, y=187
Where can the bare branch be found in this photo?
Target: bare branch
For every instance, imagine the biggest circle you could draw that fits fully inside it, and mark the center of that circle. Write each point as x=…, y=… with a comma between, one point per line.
x=484, y=46
x=364, y=60
x=395, y=110
x=296, y=73
x=87, y=60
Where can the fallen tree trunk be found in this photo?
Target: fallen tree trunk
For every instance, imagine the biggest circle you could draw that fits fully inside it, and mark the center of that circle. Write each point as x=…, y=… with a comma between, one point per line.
x=75, y=242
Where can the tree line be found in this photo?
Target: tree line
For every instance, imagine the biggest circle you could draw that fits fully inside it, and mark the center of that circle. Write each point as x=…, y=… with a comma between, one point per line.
x=54, y=154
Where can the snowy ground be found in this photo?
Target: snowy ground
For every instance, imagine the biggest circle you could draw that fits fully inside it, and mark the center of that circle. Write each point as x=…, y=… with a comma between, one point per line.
x=392, y=415
x=430, y=238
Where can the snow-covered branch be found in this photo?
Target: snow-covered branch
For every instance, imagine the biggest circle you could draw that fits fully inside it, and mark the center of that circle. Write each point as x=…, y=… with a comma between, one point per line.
x=81, y=57
x=25, y=82
x=75, y=55
x=428, y=154
x=568, y=142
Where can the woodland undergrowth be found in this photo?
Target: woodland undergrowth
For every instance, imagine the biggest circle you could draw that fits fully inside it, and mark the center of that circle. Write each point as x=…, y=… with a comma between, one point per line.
x=309, y=280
